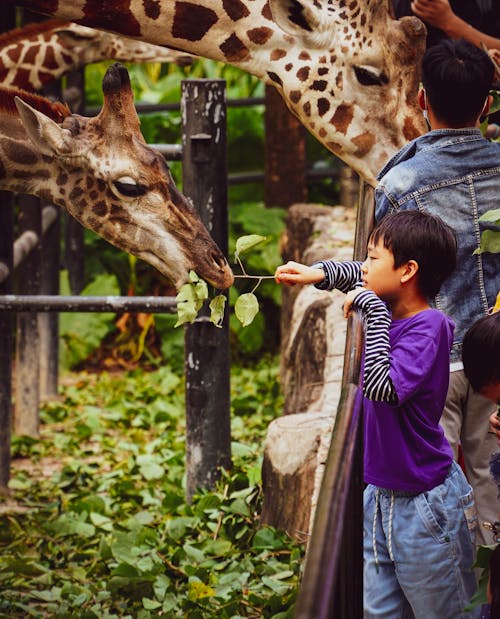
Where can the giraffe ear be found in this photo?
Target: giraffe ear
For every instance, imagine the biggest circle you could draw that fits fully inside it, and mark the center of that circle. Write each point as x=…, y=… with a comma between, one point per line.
x=49, y=137
x=303, y=19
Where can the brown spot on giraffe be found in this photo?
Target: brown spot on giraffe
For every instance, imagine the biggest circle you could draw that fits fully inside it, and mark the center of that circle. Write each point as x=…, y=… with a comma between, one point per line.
x=277, y=54
x=304, y=56
x=18, y=153
x=259, y=36
x=320, y=85
x=234, y=50
x=303, y=73
x=96, y=15
x=152, y=8
x=31, y=54
x=295, y=96
x=289, y=66
x=275, y=78
x=339, y=80
x=99, y=208
x=323, y=106
x=192, y=21
x=50, y=61
x=307, y=108
x=266, y=12
x=323, y=71
x=343, y=117
x=364, y=143
x=235, y=9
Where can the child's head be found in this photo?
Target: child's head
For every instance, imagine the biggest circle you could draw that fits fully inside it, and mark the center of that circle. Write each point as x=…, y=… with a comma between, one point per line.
x=457, y=77
x=480, y=356
x=421, y=238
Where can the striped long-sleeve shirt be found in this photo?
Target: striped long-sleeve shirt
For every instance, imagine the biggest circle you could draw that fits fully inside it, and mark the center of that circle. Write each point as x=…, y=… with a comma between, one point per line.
x=345, y=276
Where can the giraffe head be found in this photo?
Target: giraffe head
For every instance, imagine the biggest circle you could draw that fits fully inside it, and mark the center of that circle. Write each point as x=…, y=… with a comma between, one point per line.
x=351, y=75
x=110, y=180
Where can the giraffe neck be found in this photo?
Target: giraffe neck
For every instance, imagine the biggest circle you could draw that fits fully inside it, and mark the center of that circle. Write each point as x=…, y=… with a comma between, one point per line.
x=345, y=68
x=37, y=54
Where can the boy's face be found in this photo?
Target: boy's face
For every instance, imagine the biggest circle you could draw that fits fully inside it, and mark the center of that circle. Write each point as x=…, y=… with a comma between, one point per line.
x=379, y=274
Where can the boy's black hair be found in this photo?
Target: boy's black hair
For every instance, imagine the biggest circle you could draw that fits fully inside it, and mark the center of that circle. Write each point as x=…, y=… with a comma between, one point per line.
x=457, y=77
x=413, y=235
x=480, y=352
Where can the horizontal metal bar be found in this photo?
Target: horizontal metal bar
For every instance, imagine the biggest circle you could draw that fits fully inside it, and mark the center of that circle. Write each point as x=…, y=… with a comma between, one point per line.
x=149, y=108
x=75, y=303
x=171, y=152
x=239, y=178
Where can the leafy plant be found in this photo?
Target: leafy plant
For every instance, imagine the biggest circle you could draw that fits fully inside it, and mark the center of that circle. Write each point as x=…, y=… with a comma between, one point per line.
x=98, y=527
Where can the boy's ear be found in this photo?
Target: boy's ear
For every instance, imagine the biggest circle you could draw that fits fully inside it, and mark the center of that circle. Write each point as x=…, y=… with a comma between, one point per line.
x=410, y=270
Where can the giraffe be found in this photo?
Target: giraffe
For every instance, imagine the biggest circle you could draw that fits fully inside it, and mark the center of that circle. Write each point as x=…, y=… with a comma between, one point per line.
x=36, y=54
x=345, y=68
x=104, y=174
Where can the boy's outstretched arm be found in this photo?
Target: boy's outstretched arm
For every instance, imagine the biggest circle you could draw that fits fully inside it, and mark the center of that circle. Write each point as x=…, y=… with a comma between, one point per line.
x=293, y=273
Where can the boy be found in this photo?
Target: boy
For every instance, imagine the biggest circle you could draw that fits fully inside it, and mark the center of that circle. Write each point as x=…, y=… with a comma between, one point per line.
x=418, y=549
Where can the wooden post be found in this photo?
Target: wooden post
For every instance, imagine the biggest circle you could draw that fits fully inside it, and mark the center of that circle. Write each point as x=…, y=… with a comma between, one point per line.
x=285, y=154
x=208, y=432
x=27, y=390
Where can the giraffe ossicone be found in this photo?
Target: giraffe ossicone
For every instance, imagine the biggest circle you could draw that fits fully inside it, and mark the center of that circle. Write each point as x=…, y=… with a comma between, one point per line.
x=104, y=174
x=345, y=68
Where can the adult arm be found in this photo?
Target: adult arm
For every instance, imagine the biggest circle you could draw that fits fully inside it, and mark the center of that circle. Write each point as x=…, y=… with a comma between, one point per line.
x=438, y=13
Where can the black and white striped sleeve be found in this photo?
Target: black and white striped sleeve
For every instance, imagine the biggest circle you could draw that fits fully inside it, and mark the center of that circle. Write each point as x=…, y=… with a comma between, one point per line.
x=341, y=275
x=377, y=383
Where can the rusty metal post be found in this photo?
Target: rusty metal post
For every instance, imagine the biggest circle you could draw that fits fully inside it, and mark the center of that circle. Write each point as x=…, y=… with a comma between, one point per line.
x=207, y=363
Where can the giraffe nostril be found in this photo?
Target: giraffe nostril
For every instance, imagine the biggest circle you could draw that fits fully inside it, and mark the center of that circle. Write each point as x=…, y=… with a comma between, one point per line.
x=219, y=259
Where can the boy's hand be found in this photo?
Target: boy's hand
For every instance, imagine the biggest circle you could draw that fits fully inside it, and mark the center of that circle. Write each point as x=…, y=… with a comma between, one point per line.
x=438, y=13
x=349, y=299
x=293, y=273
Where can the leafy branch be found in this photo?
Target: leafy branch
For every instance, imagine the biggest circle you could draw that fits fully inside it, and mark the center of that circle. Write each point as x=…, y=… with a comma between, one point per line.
x=192, y=296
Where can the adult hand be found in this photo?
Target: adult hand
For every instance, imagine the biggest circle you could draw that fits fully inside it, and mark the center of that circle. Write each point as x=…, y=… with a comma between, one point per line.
x=293, y=273
x=495, y=426
x=437, y=13
x=349, y=299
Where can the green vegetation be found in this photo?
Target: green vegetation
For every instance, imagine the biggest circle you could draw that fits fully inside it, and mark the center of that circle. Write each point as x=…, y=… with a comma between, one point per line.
x=98, y=526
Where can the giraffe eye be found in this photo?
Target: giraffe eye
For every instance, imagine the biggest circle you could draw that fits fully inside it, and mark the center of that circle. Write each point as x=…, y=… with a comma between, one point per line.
x=368, y=76
x=128, y=187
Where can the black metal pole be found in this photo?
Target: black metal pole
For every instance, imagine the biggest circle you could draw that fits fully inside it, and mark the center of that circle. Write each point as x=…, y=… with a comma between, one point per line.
x=6, y=319
x=207, y=358
x=6, y=337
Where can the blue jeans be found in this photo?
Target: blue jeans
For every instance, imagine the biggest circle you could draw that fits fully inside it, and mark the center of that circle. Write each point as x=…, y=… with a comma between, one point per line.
x=418, y=551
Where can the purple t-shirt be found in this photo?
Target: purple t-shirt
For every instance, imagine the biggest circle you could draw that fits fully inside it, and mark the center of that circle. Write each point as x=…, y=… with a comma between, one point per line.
x=404, y=445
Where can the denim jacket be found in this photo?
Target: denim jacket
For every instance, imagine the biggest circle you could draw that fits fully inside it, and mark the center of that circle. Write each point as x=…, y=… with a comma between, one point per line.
x=454, y=174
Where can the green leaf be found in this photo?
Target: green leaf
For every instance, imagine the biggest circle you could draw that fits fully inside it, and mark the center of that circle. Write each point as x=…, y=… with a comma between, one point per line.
x=217, y=306
x=244, y=243
x=246, y=308
x=492, y=216
x=490, y=242
x=151, y=604
x=149, y=467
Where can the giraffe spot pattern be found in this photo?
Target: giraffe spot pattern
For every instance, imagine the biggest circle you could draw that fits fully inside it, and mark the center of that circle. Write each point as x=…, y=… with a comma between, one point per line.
x=152, y=8
x=235, y=9
x=259, y=36
x=342, y=117
x=234, y=50
x=323, y=106
x=303, y=73
x=275, y=78
x=18, y=153
x=191, y=21
x=277, y=54
x=97, y=15
x=364, y=143
x=295, y=96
